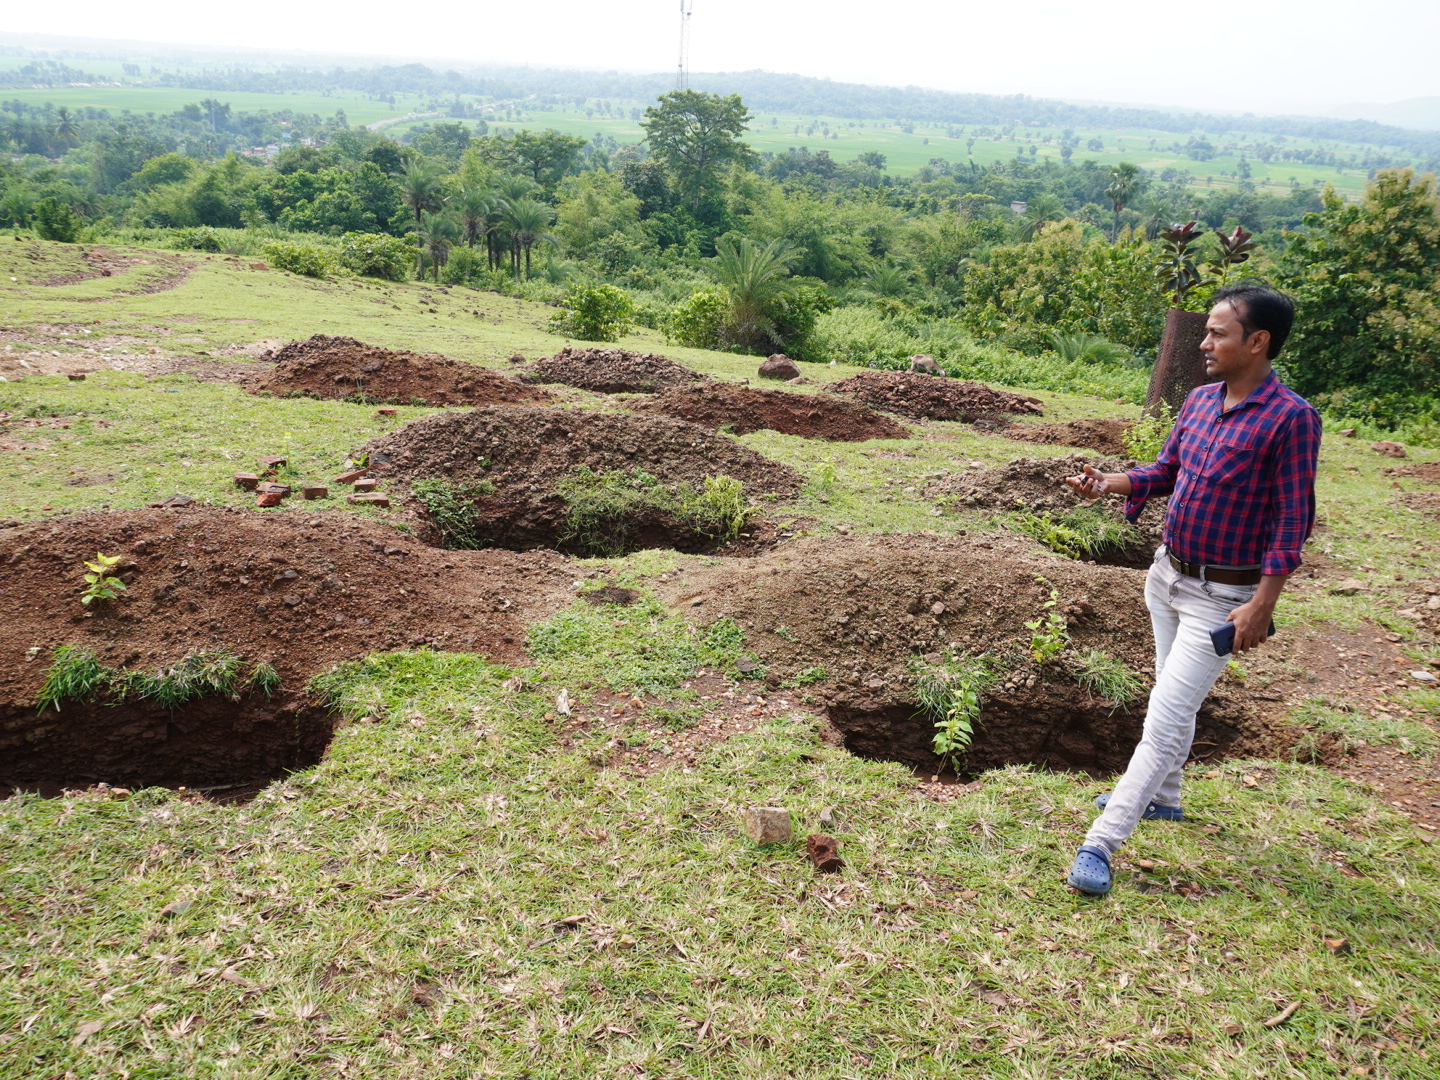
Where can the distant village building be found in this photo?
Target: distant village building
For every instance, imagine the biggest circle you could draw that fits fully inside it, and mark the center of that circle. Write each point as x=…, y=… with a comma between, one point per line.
x=1018, y=207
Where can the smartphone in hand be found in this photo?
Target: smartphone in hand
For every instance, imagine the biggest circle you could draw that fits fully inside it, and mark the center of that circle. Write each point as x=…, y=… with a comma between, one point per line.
x=1223, y=638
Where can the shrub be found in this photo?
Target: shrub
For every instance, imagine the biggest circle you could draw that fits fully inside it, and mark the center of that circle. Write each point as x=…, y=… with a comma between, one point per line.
x=202, y=238
x=949, y=695
x=307, y=260
x=56, y=220
x=594, y=313
x=463, y=265
x=699, y=322
x=375, y=255
x=1145, y=438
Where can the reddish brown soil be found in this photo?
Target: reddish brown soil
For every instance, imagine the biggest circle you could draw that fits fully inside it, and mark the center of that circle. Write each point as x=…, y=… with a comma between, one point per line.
x=742, y=410
x=1424, y=502
x=525, y=452
x=1423, y=470
x=931, y=397
x=295, y=589
x=1104, y=436
x=862, y=608
x=610, y=371
x=1037, y=486
x=341, y=367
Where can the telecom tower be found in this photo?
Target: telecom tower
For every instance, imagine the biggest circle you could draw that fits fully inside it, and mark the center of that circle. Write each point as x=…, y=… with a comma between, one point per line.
x=682, y=70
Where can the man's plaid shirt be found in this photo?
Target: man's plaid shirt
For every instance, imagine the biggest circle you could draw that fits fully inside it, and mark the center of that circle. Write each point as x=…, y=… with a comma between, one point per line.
x=1243, y=479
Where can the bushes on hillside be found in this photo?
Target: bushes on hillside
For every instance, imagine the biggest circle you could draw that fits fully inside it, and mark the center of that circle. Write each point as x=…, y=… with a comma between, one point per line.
x=307, y=260
x=56, y=220
x=594, y=313
x=376, y=255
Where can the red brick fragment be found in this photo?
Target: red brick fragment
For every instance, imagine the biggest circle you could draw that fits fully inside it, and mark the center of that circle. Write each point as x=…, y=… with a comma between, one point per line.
x=246, y=480
x=350, y=477
x=314, y=491
x=268, y=498
x=385, y=412
x=78, y=376
x=368, y=483
x=824, y=852
x=271, y=488
x=273, y=462
x=370, y=498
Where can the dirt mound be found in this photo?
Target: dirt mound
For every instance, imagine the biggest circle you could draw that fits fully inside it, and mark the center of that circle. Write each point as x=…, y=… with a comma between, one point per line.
x=524, y=456
x=742, y=410
x=1104, y=436
x=610, y=371
x=345, y=369
x=851, y=615
x=296, y=590
x=1037, y=486
x=1422, y=502
x=1428, y=471
x=927, y=397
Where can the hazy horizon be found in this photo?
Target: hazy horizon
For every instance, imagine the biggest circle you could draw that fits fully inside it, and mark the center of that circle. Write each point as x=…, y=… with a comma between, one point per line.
x=1325, y=65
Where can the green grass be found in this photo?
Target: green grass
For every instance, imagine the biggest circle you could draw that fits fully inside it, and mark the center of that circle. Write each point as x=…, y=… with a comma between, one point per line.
x=1350, y=729
x=75, y=674
x=458, y=891
x=399, y=909
x=1101, y=674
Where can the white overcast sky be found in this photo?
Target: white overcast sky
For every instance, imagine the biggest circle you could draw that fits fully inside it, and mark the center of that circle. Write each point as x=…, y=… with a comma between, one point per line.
x=1261, y=55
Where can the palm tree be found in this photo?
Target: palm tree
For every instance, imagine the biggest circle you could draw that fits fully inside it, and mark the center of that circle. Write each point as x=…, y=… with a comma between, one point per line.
x=887, y=279
x=755, y=277
x=1125, y=183
x=1042, y=210
x=528, y=223
x=437, y=231
x=421, y=189
x=65, y=129
x=475, y=205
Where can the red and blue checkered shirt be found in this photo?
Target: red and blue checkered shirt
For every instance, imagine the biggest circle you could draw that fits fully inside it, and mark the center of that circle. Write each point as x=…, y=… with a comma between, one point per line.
x=1241, y=480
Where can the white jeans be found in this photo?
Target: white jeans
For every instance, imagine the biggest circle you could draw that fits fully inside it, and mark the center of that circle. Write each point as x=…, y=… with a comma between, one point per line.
x=1183, y=611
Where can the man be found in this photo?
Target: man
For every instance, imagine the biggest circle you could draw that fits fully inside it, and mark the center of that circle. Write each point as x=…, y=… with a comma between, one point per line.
x=1240, y=469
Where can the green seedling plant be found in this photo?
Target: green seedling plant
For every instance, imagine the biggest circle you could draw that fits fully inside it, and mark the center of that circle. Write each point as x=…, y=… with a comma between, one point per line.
x=76, y=674
x=100, y=584
x=949, y=694
x=1049, y=633
x=1101, y=675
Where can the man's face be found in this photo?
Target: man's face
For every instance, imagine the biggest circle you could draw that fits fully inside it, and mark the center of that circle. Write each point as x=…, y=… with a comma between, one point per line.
x=1227, y=352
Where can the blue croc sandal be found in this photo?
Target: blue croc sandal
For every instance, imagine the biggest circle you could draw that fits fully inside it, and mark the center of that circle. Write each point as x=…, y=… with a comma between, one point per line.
x=1090, y=873
x=1153, y=812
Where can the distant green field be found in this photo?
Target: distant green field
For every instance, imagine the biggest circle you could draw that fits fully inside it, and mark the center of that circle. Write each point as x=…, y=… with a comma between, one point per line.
x=164, y=99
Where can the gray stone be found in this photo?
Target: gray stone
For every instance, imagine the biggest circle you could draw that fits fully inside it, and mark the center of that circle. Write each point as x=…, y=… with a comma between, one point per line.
x=768, y=824
x=925, y=364
x=1349, y=587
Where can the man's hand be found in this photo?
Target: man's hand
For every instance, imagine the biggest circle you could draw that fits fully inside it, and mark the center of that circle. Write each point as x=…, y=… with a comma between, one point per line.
x=1092, y=483
x=1252, y=618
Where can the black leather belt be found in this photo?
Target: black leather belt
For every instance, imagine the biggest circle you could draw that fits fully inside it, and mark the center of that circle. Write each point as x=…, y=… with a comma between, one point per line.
x=1223, y=575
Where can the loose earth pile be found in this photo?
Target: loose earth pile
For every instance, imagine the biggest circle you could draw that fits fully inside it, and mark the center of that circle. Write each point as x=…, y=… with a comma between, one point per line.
x=299, y=591
x=928, y=397
x=1104, y=436
x=742, y=410
x=526, y=453
x=610, y=371
x=341, y=368
x=851, y=615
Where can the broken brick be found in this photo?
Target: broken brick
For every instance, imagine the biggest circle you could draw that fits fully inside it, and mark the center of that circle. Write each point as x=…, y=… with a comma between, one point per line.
x=273, y=462
x=268, y=498
x=768, y=824
x=270, y=488
x=824, y=852
x=368, y=483
x=385, y=412
x=350, y=477
x=314, y=491
x=246, y=480
x=371, y=498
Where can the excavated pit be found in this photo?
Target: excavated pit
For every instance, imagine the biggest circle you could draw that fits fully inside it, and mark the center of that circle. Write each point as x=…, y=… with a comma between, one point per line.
x=1049, y=729
x=210, y=743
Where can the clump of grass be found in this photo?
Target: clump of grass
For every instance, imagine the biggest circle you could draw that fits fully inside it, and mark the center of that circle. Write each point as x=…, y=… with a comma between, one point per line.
x=263, y=679
x=1102, y=675
x=380, y=683
x=200, y=674
x=1350, y=730
x=76, y=674
x=1082, y=533
x=1145, y=438
x=949, y=694
x=452, y=507
x=647, y=649
x=604, y=508
x=807, y=677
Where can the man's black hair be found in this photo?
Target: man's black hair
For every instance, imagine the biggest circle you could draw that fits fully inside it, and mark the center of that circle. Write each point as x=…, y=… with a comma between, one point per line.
x=1259, y=307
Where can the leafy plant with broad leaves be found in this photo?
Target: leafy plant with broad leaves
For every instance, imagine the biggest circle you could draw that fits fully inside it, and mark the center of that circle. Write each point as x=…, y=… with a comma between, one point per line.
x=100, y=584
x=950, y=695
x=594, y=313
x=1049, y=633
x=1177, y=270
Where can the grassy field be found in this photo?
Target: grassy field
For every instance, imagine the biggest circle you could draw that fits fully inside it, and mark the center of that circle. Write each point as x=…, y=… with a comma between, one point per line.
x=458, y=891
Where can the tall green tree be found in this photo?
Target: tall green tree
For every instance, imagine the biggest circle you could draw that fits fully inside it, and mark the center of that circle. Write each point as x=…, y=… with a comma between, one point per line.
x=528, y=223
x=473, y=207
x=1366, y=283
x=437, y=232
x=1126, y=183
x=546, y=156
x=756, y=279
x=422, y=188
x=696, y=135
